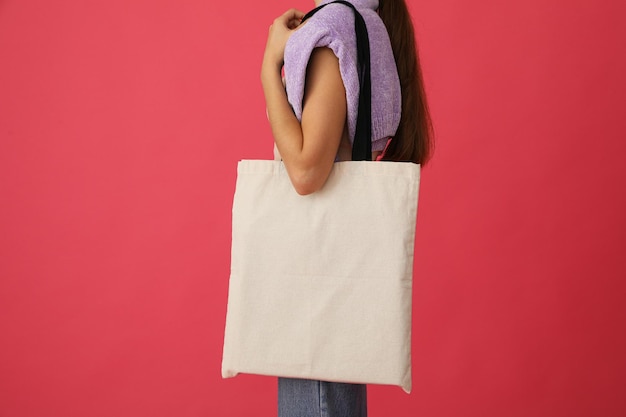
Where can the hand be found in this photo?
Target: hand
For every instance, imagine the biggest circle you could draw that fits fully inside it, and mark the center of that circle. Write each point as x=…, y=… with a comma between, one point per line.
x=279, y=34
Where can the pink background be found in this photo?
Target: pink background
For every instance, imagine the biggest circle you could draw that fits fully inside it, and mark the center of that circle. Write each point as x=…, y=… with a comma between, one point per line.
x=121, y=123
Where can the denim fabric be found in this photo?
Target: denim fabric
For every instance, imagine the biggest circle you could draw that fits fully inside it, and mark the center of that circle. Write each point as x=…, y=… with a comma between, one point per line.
x=307, y=398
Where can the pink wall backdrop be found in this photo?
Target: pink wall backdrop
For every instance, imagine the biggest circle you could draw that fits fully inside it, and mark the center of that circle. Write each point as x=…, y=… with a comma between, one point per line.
x=121, y=123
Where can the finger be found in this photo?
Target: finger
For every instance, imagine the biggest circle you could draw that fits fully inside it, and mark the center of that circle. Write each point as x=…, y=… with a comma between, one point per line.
x=298, y=14
x=296, y=18
x=293, y=15
x=290, y=19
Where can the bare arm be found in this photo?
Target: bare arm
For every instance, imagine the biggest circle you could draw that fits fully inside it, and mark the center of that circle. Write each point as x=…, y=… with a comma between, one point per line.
x=308, y=149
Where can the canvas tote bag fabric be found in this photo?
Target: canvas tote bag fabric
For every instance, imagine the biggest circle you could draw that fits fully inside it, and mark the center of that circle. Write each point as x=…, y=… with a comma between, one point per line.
x=321, y=285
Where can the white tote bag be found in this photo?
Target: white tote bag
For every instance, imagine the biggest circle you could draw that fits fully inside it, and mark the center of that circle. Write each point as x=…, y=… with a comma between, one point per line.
x=321, y=285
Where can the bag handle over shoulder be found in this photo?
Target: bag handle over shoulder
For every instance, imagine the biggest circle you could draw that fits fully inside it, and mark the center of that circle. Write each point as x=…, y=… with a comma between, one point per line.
x=362, y=145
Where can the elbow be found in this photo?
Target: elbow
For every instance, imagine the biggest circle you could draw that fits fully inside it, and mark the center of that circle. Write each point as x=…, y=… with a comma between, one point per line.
x=305, y=187
x=307, y=176
x=305, y=190
x=305, y=183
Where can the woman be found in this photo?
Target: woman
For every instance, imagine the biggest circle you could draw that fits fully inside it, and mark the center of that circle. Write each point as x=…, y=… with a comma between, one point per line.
x=313, y=119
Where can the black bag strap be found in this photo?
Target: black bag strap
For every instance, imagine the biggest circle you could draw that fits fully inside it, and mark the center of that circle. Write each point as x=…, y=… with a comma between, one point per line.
x=362, y=145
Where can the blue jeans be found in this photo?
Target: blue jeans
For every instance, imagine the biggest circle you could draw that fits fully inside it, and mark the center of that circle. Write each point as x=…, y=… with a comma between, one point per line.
x=307, y=398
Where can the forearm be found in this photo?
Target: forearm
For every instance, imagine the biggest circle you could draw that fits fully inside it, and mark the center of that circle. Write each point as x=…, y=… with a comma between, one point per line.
x=308, y=147
x=286, y=128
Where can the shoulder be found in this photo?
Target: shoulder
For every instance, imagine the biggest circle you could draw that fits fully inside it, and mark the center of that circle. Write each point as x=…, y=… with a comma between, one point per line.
x=332, y=27
x=334, y=16
x=334, y=21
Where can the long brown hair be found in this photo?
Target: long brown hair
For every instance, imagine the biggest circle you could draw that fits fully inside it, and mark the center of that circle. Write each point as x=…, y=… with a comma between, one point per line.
x=413, y=140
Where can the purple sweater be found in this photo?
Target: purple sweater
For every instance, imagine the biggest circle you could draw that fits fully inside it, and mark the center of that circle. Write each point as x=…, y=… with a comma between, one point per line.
x=333, y=27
